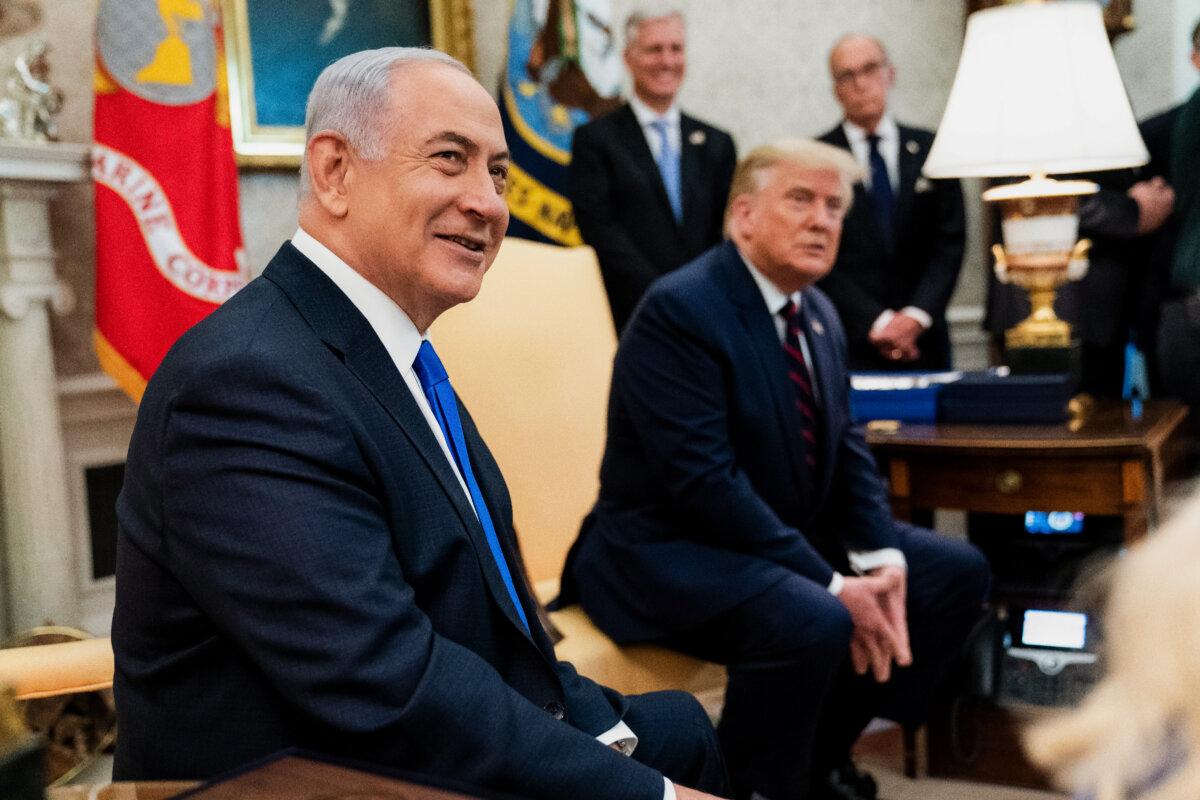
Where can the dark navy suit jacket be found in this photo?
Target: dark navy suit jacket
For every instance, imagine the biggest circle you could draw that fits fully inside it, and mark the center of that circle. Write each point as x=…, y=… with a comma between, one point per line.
x=919, y=266
x=621, y=205
x=702, y=501
x=299, y=566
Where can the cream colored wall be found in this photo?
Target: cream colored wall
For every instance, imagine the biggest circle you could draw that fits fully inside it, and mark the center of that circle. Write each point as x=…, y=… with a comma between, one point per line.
x=757, y=68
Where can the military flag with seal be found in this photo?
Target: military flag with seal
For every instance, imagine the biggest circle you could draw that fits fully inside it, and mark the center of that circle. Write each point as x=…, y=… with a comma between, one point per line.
x=562, y=69
x=168, y=237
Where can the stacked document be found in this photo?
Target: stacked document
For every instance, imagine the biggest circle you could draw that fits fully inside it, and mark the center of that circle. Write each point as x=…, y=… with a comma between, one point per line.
x=992, y=395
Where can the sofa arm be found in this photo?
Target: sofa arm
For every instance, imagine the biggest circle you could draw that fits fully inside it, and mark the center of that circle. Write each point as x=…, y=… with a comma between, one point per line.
x=46, y=670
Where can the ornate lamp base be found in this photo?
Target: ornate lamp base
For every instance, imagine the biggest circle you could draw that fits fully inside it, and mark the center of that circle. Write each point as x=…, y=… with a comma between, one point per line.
x=1043, y=360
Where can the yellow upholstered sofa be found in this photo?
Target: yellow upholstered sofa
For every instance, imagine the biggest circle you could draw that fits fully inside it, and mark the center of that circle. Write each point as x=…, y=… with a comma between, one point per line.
x=47, y=670
x=532, y=358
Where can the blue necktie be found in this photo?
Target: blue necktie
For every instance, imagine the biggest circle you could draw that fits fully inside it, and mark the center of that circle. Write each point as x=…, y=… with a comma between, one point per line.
x=881, y=190
x=440, y=394
x=668, y=167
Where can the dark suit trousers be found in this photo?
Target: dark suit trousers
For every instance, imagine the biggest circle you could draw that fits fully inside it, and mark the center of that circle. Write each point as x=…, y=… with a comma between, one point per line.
x=676, y=738
x=794, y=706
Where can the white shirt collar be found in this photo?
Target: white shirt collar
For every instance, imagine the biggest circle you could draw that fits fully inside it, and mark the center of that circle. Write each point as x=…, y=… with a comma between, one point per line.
x=646, y=115
x=887, y=130
x=399, y=335
x=772, y=295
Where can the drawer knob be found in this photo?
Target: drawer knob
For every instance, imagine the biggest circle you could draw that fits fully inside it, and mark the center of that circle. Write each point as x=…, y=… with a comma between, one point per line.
x=1009, y=482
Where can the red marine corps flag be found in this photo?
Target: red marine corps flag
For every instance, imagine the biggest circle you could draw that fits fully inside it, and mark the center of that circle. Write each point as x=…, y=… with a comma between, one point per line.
x=168, y=242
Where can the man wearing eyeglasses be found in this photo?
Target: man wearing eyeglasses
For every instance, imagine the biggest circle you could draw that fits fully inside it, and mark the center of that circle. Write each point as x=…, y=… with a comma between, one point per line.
x=902, y=243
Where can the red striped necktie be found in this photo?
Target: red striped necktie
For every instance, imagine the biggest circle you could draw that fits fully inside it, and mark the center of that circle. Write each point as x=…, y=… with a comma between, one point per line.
x=801, y=379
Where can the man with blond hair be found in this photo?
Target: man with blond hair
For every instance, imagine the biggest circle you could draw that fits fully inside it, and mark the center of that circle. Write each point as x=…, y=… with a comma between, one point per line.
x=647, y=182
x=741, y=516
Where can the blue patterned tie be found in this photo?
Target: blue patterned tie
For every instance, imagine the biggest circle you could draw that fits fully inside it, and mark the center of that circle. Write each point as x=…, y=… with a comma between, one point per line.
x=881, y=190
x=668, y=167
x=440, y=394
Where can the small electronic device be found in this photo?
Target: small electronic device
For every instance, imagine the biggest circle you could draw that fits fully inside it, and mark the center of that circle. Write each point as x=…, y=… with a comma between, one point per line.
x=1048, y=657
x=1052, y=522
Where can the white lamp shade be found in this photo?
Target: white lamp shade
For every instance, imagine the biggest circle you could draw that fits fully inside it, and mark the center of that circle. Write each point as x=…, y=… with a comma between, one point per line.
x=1037, y=91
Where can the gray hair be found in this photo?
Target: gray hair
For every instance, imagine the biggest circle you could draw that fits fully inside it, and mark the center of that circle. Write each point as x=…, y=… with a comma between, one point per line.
x=645, y=13
x=351, y=93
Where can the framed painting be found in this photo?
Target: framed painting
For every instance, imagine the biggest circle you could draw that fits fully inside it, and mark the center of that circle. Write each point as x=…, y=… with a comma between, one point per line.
x=274, y=50
x=1118, y=14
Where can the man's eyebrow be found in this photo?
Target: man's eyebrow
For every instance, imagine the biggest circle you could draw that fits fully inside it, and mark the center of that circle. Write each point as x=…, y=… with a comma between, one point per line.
x=451, y=137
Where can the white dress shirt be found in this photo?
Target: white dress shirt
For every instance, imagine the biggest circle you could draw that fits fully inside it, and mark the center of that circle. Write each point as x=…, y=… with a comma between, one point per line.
x=401, y=339
x=889, y=147
x=646, y=116
x=861, y=561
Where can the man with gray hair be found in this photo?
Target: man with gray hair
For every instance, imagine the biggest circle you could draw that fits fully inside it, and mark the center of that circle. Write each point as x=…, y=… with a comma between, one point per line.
x=316, y=548
x=648, y=183
x=741, y=516
x=904, y=240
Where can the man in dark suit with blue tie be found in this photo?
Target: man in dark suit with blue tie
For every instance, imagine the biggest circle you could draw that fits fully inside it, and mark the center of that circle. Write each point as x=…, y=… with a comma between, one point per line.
x=902, y=242
x=741, y=516
x=316, y=547
x=648, y=183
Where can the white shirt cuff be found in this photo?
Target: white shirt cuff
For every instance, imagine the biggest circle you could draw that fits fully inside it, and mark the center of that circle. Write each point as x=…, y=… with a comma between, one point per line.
x=668, y=790
x=882, y=320
x=624, y=739
x=863, y=561
x=836, y=583
x=920, y=315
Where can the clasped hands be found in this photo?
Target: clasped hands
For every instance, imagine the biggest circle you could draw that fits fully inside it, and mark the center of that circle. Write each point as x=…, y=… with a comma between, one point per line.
x=876, y=602
x=897, y=340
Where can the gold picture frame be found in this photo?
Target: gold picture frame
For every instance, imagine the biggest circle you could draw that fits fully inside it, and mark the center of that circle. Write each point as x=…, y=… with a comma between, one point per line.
x=279, y=142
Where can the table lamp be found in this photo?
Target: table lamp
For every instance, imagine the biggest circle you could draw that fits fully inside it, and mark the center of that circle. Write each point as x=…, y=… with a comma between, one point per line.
x=1037, y=92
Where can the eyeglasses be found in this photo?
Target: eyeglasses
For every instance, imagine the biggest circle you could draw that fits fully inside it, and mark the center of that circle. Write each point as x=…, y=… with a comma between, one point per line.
x=869, y=71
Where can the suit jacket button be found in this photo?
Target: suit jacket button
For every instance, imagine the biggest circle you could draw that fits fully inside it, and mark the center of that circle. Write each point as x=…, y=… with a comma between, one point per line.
x=556, y=710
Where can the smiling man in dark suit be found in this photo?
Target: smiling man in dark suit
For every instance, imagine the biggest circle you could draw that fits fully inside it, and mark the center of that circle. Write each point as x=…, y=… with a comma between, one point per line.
x=316, y=547
x=741, y=516
x=648, y=183
x=902, y=243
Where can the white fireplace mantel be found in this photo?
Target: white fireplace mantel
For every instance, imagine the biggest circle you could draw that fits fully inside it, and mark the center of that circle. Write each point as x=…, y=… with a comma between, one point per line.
x=35, y=520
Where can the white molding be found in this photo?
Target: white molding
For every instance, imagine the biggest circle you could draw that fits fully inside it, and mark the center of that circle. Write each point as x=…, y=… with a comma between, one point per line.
x=53, y=162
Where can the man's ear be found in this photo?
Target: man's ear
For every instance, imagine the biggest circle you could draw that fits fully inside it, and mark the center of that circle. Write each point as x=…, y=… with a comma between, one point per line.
x=740, y=210
x=329, y=170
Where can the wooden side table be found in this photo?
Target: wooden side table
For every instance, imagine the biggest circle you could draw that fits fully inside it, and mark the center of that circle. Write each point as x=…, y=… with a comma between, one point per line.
x=1109, y=465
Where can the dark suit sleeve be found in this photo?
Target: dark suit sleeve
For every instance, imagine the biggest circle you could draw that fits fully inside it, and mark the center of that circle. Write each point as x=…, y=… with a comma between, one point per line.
x=938, y=278
x=1109, y=212
x=672, y=385
x=857, y=506
x=858, y=309
x=594, y=202
x=278, y=533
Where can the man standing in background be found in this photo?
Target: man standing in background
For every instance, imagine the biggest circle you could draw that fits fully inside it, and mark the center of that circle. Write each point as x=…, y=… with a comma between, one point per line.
x=648, y=183
x=902, y=242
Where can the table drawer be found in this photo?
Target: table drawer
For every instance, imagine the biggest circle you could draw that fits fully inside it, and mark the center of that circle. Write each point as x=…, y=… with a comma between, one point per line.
x=1013, y=486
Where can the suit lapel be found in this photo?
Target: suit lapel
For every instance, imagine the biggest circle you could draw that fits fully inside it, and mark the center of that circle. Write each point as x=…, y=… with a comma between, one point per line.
x=343, y=328
x=692, y=140
x=768, y=353
x=634, y=139
x=910, y=159
x=827, y=373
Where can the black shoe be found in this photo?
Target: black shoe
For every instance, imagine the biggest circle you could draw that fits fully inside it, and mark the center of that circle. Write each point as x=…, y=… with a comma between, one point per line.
x=847, y=782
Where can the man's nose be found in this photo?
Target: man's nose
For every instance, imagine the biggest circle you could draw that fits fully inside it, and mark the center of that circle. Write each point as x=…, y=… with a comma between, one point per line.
x=482, y=199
